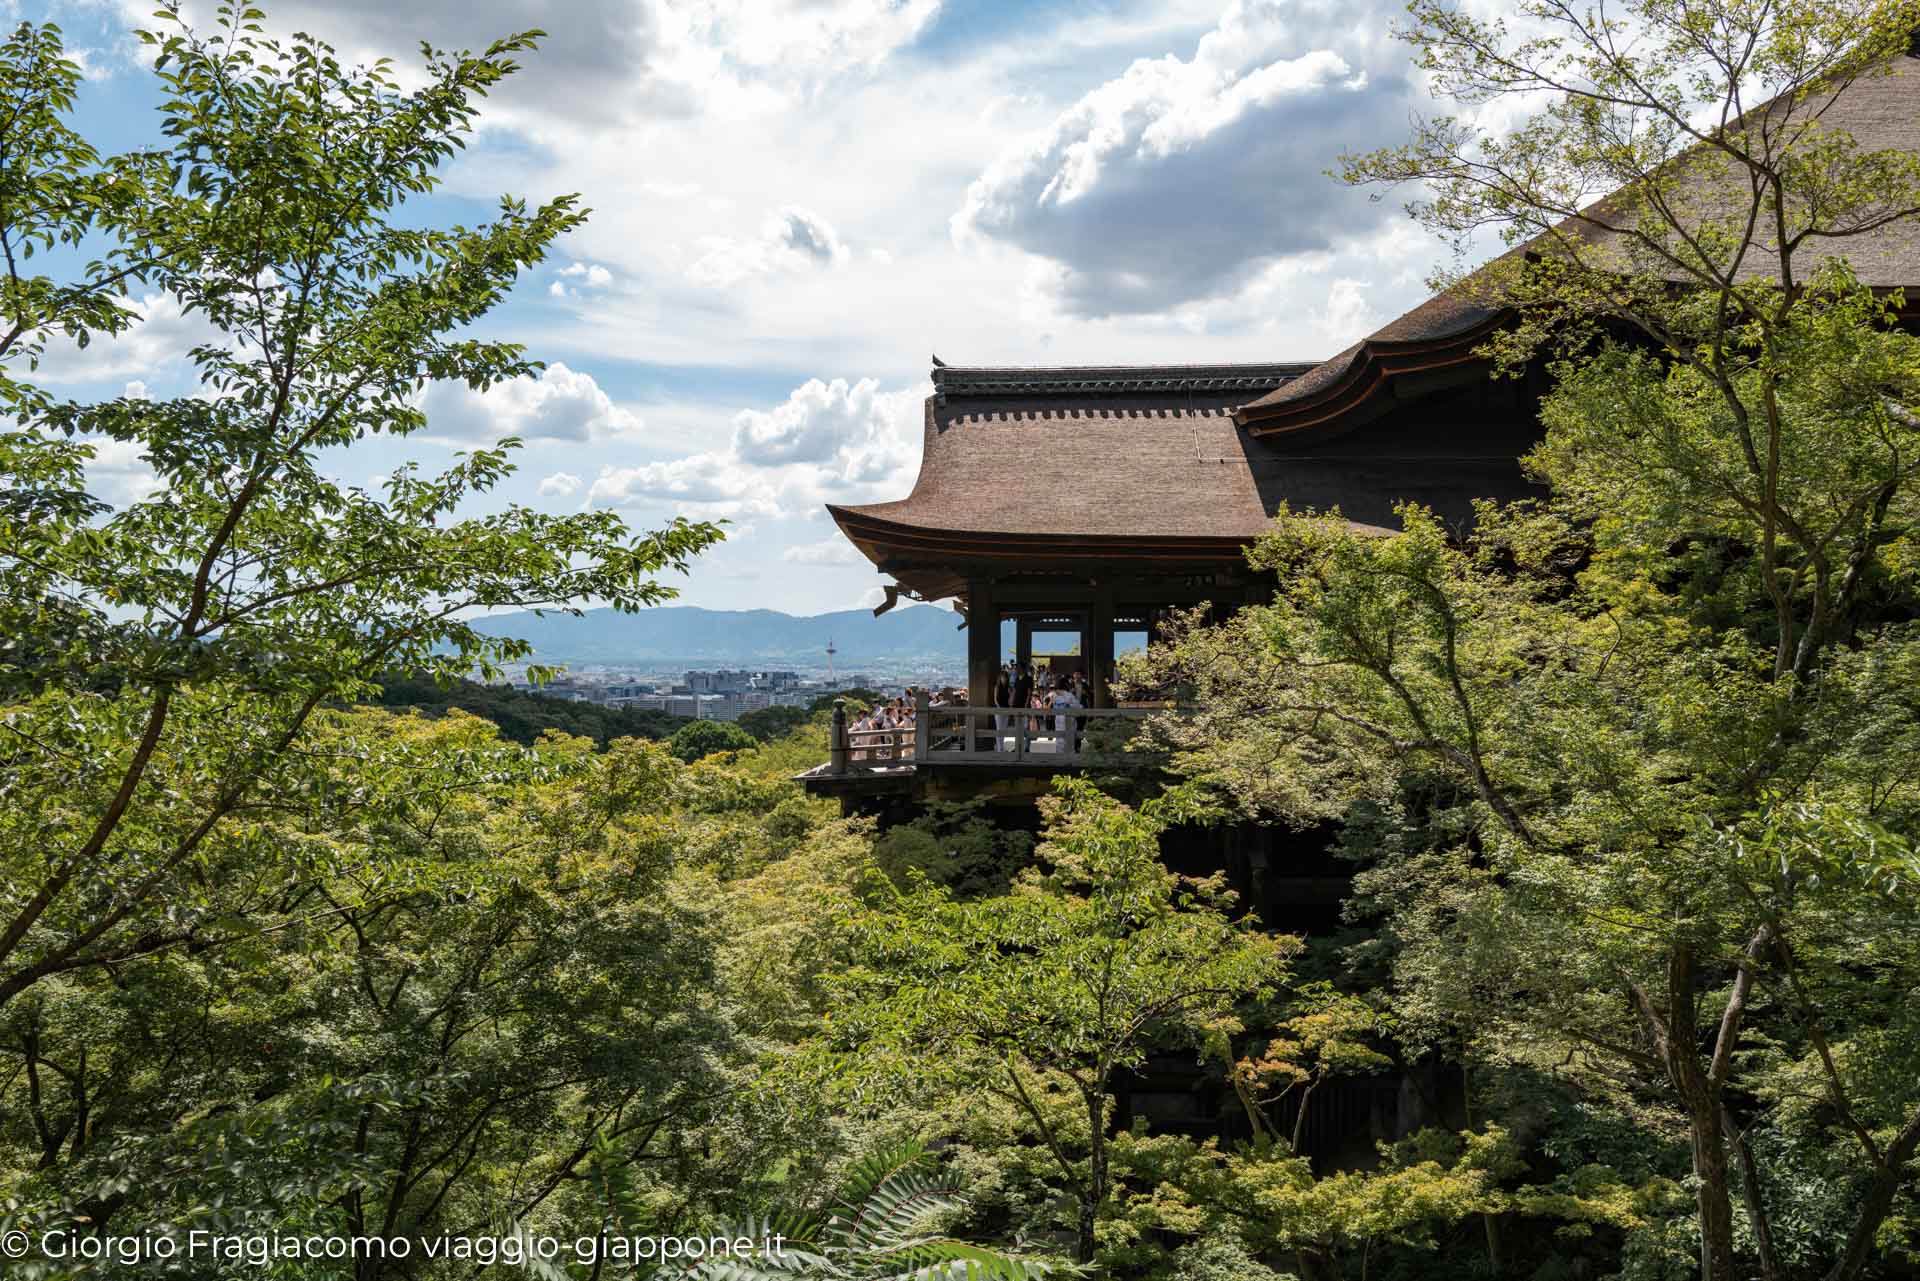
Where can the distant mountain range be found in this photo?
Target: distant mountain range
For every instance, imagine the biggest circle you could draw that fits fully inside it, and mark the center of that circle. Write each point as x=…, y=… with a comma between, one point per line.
x=681, y=633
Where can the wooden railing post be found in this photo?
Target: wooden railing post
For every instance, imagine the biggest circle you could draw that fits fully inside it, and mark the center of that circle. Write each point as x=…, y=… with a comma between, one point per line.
x=922, y=723
x=837, y=742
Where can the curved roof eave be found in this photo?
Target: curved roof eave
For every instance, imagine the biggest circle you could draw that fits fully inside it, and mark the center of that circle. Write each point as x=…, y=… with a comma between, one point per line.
x=1442, y=333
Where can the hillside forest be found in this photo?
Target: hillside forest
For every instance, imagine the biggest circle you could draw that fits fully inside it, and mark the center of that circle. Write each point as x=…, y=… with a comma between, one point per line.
x=306, y=933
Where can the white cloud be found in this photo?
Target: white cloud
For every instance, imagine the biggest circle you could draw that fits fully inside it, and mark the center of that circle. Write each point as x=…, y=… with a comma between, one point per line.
x=94, y=64
x=557, y=404
x=854, y=426
x=155, y=345
x=118, y=474
x=836, y=441
x=1178, y=179
x=1347, y=316
x=608, y=61
x=706, y=485
x=828, y=551
x=598, y=277
x=831, y=34
x=791, y=239
x=585, y=276
x=560, y=485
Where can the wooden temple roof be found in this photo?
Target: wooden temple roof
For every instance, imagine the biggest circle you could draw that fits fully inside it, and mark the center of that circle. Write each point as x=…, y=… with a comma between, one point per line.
x=1141, y=469
x=1436, y=344
x=1142, y=465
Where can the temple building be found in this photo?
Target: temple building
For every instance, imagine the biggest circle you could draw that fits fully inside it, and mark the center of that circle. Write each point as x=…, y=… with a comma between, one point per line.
x=1086, y=502
x=1064, y=511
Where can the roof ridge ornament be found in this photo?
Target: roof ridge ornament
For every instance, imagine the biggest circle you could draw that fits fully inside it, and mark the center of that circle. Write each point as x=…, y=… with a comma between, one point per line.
x=979, y=381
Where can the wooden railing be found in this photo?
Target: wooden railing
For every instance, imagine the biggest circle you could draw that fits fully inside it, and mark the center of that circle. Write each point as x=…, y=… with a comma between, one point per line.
x=968, y=735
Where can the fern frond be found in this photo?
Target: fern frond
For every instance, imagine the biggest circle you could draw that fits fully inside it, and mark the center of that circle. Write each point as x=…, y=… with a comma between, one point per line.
x=894, y=1209
x=871, y=1171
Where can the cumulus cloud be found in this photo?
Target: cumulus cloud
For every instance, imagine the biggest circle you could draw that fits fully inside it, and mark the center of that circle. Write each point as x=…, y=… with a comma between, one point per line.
x=836, y=441
x=118, y=471
x=560, y=485
x=1347, y=315
x=614, y=60
x=791, y=239
x=852, y=437
x=1180, y=177
x=828, y=34
x=156, y=343
x=712, y=483
x=556, y=404
x=593, y=275
x=584, y=277
x=853, y=426
x=597, y=61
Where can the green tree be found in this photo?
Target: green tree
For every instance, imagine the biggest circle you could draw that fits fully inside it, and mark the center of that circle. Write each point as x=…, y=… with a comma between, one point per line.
x=182, y=643
x=493, y=980
x=858, y=698
x=769, y=723
x=1326, y=1035
x=1058, y=985
x=55, y=191
x=703, y=738
x=1642, y=838
x=1621, y=699
x=1713, y=249
x=524, y=716
x=955, y=844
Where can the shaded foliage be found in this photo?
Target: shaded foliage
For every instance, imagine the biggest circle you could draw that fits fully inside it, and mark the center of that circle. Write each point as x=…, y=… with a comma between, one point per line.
x=523, y=716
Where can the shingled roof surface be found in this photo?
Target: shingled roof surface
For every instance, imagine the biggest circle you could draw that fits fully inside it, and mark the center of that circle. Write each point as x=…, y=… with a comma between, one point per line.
x=1169, y=464
x=1880, y=112
x=1098, y=471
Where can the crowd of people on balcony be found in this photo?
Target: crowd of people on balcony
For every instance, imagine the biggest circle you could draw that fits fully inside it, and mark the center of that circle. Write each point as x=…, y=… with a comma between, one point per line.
x=884, y=732
x=1036, y=699
x=1020, y=686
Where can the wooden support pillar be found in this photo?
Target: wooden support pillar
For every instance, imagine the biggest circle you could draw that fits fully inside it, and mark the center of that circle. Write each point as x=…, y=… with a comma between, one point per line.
x=837, y=743
x=1096, y=642
x=983, y=641
x=1023, y=642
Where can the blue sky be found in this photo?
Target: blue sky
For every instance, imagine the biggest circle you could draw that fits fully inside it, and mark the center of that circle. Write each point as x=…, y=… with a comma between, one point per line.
x=797, y=201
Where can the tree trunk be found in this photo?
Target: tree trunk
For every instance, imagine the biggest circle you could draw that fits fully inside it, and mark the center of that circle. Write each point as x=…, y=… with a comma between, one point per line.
x=1876, y=1203
x=1096, y=1173
x=1756, y=1206
x=1300, y=1117
x=1866, y=1225
x=1676, y=1031
x=1712, y=1196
